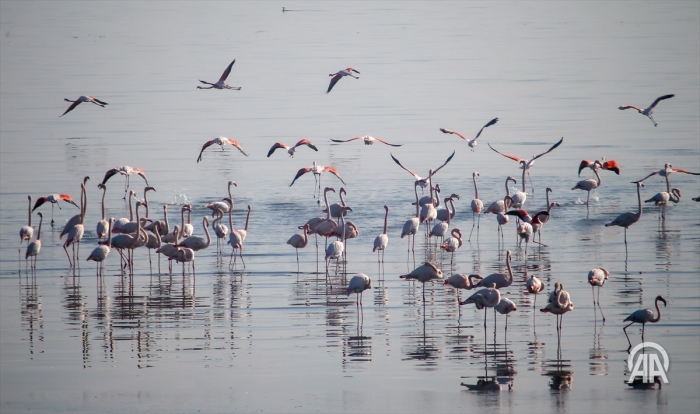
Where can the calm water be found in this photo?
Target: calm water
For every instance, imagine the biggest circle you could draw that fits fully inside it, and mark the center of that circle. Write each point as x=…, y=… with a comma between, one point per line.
x=269, y=338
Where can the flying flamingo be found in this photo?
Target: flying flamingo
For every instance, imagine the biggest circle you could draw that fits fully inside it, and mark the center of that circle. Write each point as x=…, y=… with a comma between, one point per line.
x=368, y=139
x=461, y=281
x=611, y=165
x=627, y=219
x=597, y=277
x=424, y=273
x=497, y=280
x=526, y=165
x=100, y=253
x=477, y=205
x=34, y=247
x=470, y=142
x=26, y=232
x=559, y=303
x=423, y=182
x=588, y=185
x=221, y=84
x=488, y=297
x=126, y=171
x=643, y=316
x=381, y=241
x=82, y=99
x=647, y=111
x=299, y=241
x=662, y=199
x=221, y=141
x=53, y=199
x=666, y=171
x=317, y=170
x=291, y=150
x=358, y=284
x=338, y=75
x=534, y=286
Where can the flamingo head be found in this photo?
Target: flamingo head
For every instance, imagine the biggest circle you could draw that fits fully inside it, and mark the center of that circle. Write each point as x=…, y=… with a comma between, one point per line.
x=658, y=298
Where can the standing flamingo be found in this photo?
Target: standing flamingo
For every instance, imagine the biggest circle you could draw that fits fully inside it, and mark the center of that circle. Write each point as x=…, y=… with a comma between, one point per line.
x=76, y=219
x=222, y=141
x=504, y=307
x=588, y=185
x=82, y=99
x=488, y=297
x=75, y=234
x=647, y=111
x=643, y=316
x=470, y=142
x=440, y=229
x=461, y=281
x=368, y=140
x=102, y=226
x=410, y=227
x=339, y=75
x=559, y=303
x=424, y=273
x=153, y=242
x=126, y=171
x=197, y=243
x=100, y=253
x=526, y=165
x=662, y=199
x=292, y=150
x=221, y=83
x=337, y=209
x=34, y=247
x=477, y=206
x=534, y=286
x=26, y=232
x=53, y=199
x=499, y=206
x=358, y=284
x=627, y=219
x=498, y=280
x=453, y=243
x=381, y=241
x=334, y=251
x=597, y=277
x=299, y=241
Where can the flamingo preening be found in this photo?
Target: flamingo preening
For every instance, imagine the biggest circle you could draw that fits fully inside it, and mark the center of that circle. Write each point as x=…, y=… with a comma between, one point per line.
x=470, y=142
x=221, y=83
x=559, y=303
x=643, y=316
x=82, y=99
x=647, y=111
x=534, y=286
x=339, y=75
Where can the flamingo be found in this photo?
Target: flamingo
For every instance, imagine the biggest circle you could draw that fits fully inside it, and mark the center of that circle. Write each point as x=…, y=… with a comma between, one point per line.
x=128, y=241
x=220, y=229
x=534, y=286
x=53, y=199
x=145, y=200
x=164, y=224
x=103, y=226
x=326, y=228
x=461, y=281
x=453, y=243
x=504, y=307
x=126, y=171
x=410, y=227
x=501, y=206
x=221, y=141
x=185, y=255
x=337, y=208
x=187, y=228
x=338, y=75
x=497, y=280
x=358, y=284
x=244, y=231
x=526, y=165
x=423, y=182
x=344, y=231
x=424, y=273
x=76, y=232
x=121, y=222
x=82, y=99
x=530, y=225
x=501, y=219
x=662, y=199
x=627, y=219
x=76, y=219
x=666, y=171
x=221, y=83
x=589, y=184
x=597, y=277
x=647, y=111
x=317, y=170
x=643, y=316
x=100, y=253
x=488, y=297
x=440, y=229
x=334, y=251
x=26, y=232
x=477, y=205
x=234, y=239
x=169, y=249
x=444, y=212
x=381, y=241
x=153, y=242
x=470, y=142
x=368, y=140
x=428, y=212
x=299, y=241
x=559, y=303
x=611, y=165
x=34, y=247
x=292, y=150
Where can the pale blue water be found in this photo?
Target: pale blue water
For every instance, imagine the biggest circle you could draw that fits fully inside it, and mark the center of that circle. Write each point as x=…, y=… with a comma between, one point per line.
x=270, y=339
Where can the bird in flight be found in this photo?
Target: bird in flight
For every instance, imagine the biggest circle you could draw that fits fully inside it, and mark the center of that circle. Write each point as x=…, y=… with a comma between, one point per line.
x=423, y=182
x=610, y=165
x=291, y=150
x=317, y=170
x=81, y=100
x=525, y=165
x=221, y=84
x=220, y=141
x=369, y=140
x=470, y=142
x=338, y=75
x=647, y=111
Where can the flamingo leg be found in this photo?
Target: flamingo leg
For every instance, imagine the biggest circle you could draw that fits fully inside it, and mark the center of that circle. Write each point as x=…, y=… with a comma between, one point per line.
x=601, y=309
x=628, y=338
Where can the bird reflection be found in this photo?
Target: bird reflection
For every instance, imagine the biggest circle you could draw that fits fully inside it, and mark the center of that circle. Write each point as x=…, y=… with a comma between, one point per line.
x=560, y=372
x=501, y=363
x=357, y=348
x=31, y=310
x=597, y=355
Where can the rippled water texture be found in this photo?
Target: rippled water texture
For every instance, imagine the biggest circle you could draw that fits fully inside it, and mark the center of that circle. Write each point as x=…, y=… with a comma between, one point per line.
x=275, y=337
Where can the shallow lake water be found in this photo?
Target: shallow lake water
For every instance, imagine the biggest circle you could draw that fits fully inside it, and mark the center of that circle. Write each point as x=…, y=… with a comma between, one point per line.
x=275, y=337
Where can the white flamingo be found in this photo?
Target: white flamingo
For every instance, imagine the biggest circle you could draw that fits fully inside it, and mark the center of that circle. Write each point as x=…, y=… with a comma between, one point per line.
x=534, y=286
x=221, y=141
x=339, y=75
x=588, y=185
x=368, y=140
x=293, y=149
x=410, y=227
x=82, y=99
x=424, y=273
x=647, y=111
x=381, y=241
x=423, y=182
x=506, y=306
x=34, y=247
x=100, y=253
x=627, y=219
x=477, y=205
x=126, y=171
x=358, y=284
x=526, y=165
x=498, y=280
x=488, y=297
x=221, y=83
x=597, y=277
x=461, y=281
x=470, y=142
x=26, y=232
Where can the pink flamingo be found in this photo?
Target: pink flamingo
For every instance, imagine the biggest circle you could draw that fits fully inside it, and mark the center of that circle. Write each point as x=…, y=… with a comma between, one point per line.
x=526, y=165
x=662, y=199
x=498, y=280
x=597, y=277
x=461, y=281
x=488, y=297
x=317, y=170
x=34, y=247
x=292, y=150
x=220, y=141
x=221, y=83
x=126, y=171
x=610, y=165
x=423, y=182
x=82, y=99
x=424, y=273
x=339, y=75
x=559, y=304
x=477, y=205
x=666, y=171
x=100, y=253
x=534, y=286
x=588, y=185
x=647, y=111
x=627, y=219
x=299, y=241
x=368, y=140
x=26, y=232
x=643, y=316
x=470, y=142
x=358, y=284
x=53, y=199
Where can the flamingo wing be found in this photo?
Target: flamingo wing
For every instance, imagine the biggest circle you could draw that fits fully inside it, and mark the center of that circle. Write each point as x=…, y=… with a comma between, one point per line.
x=659, y=99
x=39, y=202
x=301, y=172
x=491, y=122
x=99, y=101
x=612, y=165
x=346, y=140
x=335, y=172
x=205, y=146
x=653, y=173
x=512, y=157
x=584, y=164
x=680, y=170
x=449, y=131
x=237, y=145
x=109, y=174
x=334, y=80
x=274, y=147
x=445, y=163
x=623, y=107
x=549, y=150
x=416, y=176
x=307, y=143
x=227, y=71
x=143, y=175
x=70, y=108
x=384, y=142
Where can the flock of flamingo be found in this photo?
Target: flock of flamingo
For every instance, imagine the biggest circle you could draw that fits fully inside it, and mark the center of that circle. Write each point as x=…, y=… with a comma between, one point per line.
x=178, y=242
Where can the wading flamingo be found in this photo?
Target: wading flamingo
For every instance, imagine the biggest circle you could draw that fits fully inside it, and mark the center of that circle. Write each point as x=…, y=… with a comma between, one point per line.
x=221, y=83
x=293, y=149
x=597, y=277
x=368, y=140
x=100, y=253
x=643, y=316
x=358, y=284
x=627, y=219
x=470, y=142
x=477, y=205
x=461, y=281
x=424, y=273
x=381, y=241
x=497, y=280
x=339, y=75
x=453, y=243
x=82, y=99
x=103, y=226
x=559, y=303
x=220, y=141
x=647, y=111
x=75, y=234
x=666, y=171
x=588, y=185
x=504, y=307
x=34, y=247
x=488, y=297
x=534, y=286
x=410, y=227
x=662, y=199
x=26, y=232
x=299, y=241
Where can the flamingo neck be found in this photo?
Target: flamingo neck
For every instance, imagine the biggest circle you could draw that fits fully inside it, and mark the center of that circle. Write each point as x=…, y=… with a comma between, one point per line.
x=328, y=209
x=38, y=234
x=415, y=190
x=386, y=220
x=109, y=234
x=507, y=189
x=658, y=312
x=510, y=271
x=206, y=232
x=131, y=208
x=247, y=219
x=523, y=183
x=639, y=200
x=29, y=210
x=476, y=189
x=104, y=192
x=595, y=171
